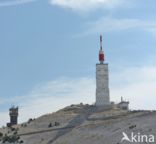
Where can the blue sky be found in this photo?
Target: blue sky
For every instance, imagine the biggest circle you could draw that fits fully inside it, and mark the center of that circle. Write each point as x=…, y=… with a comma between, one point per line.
x=49, y=48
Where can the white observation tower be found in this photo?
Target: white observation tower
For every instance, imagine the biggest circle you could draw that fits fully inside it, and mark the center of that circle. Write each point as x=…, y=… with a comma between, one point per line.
x=102, y=80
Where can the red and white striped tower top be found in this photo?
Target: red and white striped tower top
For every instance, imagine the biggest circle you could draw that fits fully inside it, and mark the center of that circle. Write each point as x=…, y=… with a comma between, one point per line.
x=101, y=53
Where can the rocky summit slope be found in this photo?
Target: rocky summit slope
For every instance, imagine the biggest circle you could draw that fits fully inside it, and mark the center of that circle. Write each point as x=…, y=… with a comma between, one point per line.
x=82, y=124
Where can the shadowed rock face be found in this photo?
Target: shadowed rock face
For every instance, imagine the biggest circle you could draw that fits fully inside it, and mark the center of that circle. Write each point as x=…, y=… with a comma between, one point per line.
x=86, y=125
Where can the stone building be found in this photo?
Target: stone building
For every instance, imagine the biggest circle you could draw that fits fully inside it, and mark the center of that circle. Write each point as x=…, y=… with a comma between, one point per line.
x=13, y=112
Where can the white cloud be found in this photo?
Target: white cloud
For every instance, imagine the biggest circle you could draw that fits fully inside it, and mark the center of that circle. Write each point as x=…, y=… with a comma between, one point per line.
x=113, y=24
x=4, y=118
x=136, y=84
x=83, y=5
x=14, y=2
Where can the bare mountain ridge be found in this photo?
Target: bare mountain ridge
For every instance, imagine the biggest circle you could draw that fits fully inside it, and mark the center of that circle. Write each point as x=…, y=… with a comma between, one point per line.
x=84, y=124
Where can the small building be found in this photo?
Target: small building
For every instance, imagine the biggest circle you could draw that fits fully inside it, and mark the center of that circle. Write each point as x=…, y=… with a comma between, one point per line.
x=124, y=105
x=13, y=112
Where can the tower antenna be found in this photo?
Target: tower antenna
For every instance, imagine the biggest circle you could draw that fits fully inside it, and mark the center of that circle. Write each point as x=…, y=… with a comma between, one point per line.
x=101, y=42
x=101, y=53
